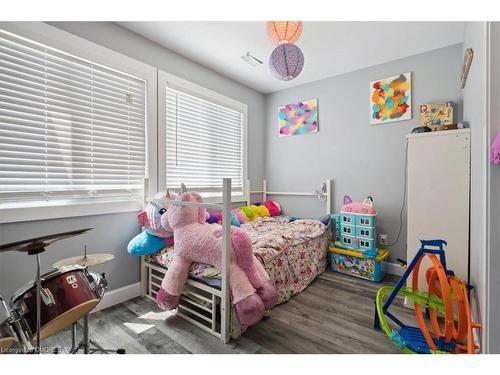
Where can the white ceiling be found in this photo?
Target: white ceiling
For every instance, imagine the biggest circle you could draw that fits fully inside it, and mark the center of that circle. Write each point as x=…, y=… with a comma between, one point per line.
x=330, y=48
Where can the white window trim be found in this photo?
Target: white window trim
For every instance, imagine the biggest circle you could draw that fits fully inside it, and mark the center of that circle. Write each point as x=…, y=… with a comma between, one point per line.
x=169, y=80
x=43, y=33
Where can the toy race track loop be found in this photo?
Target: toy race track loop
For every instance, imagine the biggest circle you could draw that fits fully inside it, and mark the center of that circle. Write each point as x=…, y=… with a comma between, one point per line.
x=445, y=307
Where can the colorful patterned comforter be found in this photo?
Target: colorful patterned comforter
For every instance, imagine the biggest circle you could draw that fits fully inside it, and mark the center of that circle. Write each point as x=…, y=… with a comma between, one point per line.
x=293, y=253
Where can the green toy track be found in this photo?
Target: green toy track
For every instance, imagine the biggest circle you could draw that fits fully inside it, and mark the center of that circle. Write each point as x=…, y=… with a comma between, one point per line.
x=420, y=298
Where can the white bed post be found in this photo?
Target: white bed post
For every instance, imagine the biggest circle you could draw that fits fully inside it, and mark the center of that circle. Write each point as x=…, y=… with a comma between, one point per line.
x=329, y=207
x=247, y=193
x=226, y=248
x=264, y=190
x=144, y=270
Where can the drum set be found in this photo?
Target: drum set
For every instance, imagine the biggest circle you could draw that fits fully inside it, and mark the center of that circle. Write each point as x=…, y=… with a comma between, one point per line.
x=53, y=301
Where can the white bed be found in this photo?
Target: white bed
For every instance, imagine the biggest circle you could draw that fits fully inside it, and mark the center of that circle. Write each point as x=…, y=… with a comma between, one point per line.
x=209, y=307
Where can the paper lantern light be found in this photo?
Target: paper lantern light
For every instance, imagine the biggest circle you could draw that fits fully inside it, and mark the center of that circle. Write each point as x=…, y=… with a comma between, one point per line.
x=286, y=61
x=281, y=32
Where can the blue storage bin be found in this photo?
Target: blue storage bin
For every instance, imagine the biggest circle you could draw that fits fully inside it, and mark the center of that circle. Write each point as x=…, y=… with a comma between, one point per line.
x=347, y=219
x=356, y=264
x=347, y=230
x=367, y=221
x=366, y=232
x=349, y=242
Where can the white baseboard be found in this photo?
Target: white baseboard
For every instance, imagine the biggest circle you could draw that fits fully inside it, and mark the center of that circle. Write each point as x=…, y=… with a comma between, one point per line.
x=116, y=296
x=393, y=268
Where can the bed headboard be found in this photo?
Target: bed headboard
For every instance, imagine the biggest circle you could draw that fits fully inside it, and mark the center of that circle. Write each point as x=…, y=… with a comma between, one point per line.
x=325, y=193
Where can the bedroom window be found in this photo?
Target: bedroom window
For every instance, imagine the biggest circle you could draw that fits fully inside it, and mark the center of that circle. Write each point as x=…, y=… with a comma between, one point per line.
x=72, y=130
x=204, y=139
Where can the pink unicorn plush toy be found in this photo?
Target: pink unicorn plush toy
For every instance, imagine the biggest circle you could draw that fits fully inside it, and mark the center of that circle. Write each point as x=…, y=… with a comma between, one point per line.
x=197, y=241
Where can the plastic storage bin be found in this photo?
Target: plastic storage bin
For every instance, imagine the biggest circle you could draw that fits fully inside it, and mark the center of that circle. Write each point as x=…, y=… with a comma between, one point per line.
x=354, y=263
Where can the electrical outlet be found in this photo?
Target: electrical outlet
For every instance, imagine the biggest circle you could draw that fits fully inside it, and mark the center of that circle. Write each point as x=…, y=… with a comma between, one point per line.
x=382, y=239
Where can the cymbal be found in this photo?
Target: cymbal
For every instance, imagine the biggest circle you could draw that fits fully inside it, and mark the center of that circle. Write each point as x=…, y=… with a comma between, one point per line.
x=38, y=244
x=89, y=260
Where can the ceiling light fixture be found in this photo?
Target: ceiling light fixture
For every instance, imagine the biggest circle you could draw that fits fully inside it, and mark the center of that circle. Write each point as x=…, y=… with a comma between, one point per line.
x=286, y=61
x=281, y=32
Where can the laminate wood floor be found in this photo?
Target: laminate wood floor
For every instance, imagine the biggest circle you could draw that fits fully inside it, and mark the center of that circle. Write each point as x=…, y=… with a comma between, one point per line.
x=333, y=315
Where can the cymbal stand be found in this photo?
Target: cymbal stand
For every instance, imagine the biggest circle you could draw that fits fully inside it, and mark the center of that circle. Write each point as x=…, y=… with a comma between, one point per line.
x=88, y=345
x=37, y=251
x=38, y=304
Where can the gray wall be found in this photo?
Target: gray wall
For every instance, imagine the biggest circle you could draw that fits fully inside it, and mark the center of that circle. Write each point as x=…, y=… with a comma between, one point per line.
x=113, y=231
x=360, y=158
x=474, y=111
x=111, y=234
x=494, y=261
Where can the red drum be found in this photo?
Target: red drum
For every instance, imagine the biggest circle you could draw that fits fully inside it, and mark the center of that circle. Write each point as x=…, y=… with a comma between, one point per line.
x=7, y=335
x=67, y=295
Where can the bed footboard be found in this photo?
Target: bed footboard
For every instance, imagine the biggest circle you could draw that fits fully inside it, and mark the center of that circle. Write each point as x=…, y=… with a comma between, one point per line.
x=200, y=304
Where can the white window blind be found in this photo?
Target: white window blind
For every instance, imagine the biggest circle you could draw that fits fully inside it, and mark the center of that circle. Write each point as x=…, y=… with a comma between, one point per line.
x=69, y=128
x=204, y=143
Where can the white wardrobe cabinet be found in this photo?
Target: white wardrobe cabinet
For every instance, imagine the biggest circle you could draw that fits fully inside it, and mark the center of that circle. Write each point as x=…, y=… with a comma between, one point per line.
x=438, y=173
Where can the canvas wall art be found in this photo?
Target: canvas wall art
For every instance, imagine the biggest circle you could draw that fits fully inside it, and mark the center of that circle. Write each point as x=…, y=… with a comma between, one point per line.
x=390, y=99
x=298, y=118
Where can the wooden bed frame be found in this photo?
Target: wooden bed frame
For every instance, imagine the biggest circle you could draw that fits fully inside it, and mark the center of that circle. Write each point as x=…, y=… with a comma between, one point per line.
x=207, y=307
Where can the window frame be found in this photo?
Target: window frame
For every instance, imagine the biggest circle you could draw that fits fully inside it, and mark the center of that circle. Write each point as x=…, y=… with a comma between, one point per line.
x=72, y=44
x=169, y=80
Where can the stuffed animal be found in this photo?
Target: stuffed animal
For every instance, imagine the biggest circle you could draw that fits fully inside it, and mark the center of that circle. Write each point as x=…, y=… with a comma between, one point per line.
x=495, y=150
x=245, y=214
x=217, y=218
x=197, y=241
x=154, y=237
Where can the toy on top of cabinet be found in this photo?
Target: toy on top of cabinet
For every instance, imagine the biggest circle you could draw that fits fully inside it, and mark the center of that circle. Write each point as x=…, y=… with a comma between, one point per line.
x=356, y=226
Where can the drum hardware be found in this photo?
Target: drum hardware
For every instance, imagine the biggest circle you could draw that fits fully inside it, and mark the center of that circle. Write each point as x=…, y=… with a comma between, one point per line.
x=26, y=346
x=89, y=346
x=47, y=297
x=85, y=260
x=99, y=285
x=36, y=246
x=8, y=336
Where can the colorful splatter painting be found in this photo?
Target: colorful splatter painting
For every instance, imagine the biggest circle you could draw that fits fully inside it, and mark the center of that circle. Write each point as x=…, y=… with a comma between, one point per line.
x=390, y=99
x=298, y=118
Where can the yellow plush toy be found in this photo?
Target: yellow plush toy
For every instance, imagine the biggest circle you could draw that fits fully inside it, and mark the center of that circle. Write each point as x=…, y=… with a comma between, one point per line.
x=259, y=211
